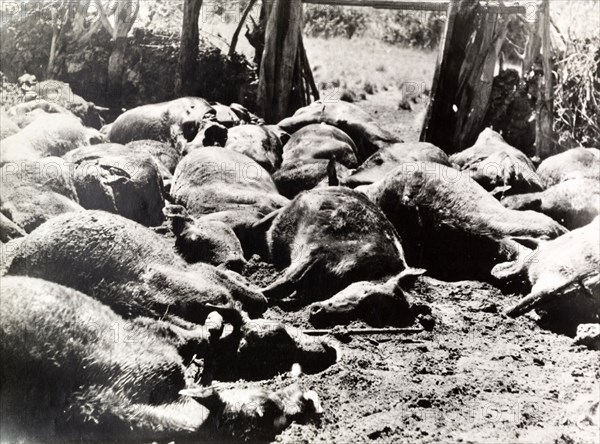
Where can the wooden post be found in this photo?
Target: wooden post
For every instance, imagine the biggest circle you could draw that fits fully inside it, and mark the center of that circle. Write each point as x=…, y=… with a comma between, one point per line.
x=279, y=60
x=545, y=145
x=188, y=50
x=443, y=52
x=477, y=77
x=464, y=75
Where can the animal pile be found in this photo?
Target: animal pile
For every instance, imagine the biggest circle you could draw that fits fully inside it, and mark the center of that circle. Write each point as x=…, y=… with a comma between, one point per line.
x=127, y=297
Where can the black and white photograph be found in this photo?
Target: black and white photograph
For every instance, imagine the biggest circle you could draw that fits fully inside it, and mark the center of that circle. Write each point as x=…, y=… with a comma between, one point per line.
x=300, y=221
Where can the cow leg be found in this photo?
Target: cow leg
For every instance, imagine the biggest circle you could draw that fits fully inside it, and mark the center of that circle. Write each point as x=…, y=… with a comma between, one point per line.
x=286, y=284
x=543, y=296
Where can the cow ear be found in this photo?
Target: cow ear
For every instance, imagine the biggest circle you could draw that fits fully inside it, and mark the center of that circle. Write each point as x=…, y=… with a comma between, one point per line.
x=530, y=242
x=507, y=271
x=198, y=393
x=207, y=396
x=500, y=191
x=408, y=277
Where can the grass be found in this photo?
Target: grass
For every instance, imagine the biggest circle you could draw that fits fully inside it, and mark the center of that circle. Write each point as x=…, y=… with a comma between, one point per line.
x=380, y=75
x=368, y=65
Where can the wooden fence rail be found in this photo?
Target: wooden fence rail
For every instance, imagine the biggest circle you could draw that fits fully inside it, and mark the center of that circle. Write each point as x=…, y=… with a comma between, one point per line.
x=411, y=5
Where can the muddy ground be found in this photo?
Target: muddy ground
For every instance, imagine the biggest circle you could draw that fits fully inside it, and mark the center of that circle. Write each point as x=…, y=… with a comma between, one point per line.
x=478, y=377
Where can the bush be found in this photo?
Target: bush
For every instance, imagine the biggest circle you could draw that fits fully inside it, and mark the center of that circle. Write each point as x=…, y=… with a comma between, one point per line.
x=416, y=30
x=334, y=21
x=577, y=94
x=150, y=66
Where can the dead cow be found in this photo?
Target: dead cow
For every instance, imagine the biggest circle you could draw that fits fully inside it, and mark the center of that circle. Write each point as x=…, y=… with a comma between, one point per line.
x=390, y=157
x=219, y=184
x=328, y=238
x=497, y=166
x=130, y=268
x=7, y=127
x=577, y=163
x=28, y=112
x=315, y=154
x=176, y=122
x=73, y=370
x=226, y=116
x=259, y=142
x=366, y=133
x=201, y=240
x=116, y=179
x=254, y=414
x=564, y=278
x=573, y=203
x=61, y=93
x=36, y=191
x=9, y=230
x=263, y=348
x=166, y=156
x=51, y=135
x=450, y=225
x=377, y=304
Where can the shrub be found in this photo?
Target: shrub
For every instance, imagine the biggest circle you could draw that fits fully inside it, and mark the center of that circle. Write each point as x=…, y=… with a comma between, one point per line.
x=369, y=87
x=416, y=30
x=419, y=30
x=150, y=65
x=333, y=21
x=577, y=94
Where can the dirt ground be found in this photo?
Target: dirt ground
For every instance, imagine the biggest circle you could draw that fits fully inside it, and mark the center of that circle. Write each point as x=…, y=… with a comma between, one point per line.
x=478, y=377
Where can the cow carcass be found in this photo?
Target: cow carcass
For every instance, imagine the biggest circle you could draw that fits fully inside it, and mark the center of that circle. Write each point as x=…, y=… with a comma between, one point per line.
x=367, y=134
x=73, y=370
x=377, y=303
x=564, y=277
x=7, y=127
x=328, y=238
x=577, y=163
x=220, y=184
x=50, y=135
x=166, y=156
x=259, y=142
x=130, y=268
x=573, y=203
x=116, y=179
x=61, y=93
x=497, y=166
x=450, y=225
x=36, y=191
x=253, y=414
x=308, y=157
x=390, y=157
x=177, y=122
x=263, y=348
x=201, y=240
x=28, y=112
